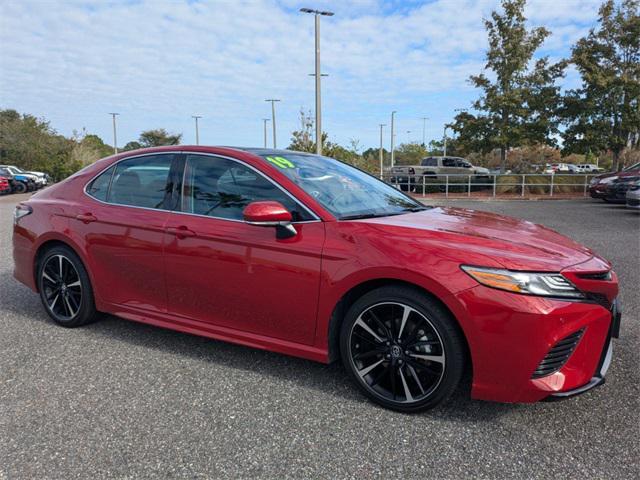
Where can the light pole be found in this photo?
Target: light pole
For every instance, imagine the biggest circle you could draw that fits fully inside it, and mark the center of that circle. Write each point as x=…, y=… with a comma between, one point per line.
x=444, y=153
x=196, y=117
x=318, y=75
x=115, y=138
x=264, y=121
x=424, y=130
x=273, y=117
x=381, y=153
x=408, y=136
x=393, y=114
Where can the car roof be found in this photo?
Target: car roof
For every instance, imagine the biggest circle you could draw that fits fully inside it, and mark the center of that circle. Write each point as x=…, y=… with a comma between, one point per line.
x=271, y=151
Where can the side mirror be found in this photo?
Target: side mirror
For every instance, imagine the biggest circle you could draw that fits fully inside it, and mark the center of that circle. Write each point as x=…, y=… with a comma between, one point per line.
x=270, y=214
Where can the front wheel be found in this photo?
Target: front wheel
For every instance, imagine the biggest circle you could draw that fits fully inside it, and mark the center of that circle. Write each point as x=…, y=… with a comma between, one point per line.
x=20, y=187
x=65, y=289
x=402, y=348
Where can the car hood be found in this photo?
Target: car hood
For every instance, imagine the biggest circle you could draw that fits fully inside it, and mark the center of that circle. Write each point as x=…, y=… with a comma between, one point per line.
x=481, y=170
x=620, y=174
x=509, y=242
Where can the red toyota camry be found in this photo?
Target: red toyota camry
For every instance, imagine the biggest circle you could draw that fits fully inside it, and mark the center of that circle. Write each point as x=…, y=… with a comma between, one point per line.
x=308, y=256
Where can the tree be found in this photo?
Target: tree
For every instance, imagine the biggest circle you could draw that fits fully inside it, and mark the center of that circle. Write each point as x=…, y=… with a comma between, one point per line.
x=30, y=143
x=133, y=145
x=302, y=140
x=604, y=113
x=519, y=105
x=409, y=154
x=158, y=138
x=88, y=148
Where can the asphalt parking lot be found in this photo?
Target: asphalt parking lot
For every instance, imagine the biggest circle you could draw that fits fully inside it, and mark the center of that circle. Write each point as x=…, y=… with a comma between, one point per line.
x=118, y=399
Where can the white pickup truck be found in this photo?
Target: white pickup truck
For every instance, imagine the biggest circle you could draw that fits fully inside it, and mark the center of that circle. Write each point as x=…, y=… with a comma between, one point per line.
x=436, y=167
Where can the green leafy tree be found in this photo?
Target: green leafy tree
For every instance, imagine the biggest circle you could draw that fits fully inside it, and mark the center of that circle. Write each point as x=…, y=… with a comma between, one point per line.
x=409, y=154
x=133, y=145
x=518, y=104
x=87, y=148
x=158, y=137
x=604, y=113
x=30, y=143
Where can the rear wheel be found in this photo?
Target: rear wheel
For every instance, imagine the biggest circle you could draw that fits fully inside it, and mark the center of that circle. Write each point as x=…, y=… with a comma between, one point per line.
x=402, y=348
x=20, y=187
x=65, y=289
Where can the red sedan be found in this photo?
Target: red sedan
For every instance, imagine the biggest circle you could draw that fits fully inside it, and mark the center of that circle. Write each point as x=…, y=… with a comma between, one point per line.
x=308, y=256
x=5, y=186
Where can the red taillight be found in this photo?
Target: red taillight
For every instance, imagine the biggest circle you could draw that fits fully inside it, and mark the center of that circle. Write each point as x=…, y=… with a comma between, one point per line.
x=21, y=211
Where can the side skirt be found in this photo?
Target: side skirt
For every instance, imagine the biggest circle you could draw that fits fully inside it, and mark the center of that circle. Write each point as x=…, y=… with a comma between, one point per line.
x=220, y=333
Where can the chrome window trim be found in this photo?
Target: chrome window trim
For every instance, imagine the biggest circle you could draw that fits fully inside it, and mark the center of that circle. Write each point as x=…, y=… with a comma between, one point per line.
x=188, y=152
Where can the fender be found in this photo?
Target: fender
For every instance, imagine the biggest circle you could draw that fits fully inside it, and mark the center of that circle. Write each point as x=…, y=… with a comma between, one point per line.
x=332, y=294
x=76, y=244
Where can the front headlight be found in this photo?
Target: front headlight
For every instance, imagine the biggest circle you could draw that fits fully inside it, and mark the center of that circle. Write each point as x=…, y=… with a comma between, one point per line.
x=528, y=283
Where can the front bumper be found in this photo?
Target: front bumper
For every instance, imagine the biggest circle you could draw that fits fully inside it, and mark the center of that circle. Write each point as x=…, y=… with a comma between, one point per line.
x=605, y=359
x=509, y=335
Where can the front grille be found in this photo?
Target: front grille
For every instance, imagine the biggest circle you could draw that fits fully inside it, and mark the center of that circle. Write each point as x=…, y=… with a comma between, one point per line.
x=555, y=359
x=600, y=299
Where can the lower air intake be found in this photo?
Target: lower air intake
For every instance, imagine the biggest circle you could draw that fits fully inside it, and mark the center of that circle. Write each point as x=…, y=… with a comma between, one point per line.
x=558, y=355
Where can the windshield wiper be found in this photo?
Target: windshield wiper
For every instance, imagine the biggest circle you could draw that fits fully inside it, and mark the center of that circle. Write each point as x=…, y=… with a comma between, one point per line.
x=364, y=215
x=415, y=209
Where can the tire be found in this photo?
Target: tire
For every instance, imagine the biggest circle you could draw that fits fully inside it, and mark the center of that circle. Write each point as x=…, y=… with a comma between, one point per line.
x=415, y=373
x=20, y=187
x=65, y=288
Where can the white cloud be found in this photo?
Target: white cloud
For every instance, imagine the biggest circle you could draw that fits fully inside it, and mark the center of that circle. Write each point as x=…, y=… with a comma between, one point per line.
x=158, y=62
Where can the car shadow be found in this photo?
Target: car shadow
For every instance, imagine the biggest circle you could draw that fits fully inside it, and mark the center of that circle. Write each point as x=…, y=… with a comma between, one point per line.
x=328, y=379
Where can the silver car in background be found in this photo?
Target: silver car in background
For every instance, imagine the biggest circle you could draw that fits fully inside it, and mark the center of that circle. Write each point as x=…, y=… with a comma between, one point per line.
x=633, y=196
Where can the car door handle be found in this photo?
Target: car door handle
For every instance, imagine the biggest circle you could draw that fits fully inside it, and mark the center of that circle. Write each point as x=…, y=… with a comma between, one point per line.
x=86, y=218
x=181, y=232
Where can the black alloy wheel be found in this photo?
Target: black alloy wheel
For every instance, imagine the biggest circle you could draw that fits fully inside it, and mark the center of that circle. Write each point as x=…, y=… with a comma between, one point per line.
x=403, y=349
x=65, y=289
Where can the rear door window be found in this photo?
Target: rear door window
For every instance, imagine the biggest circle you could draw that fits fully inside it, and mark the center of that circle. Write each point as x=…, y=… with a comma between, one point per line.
x=99, y=188
x=142, y=182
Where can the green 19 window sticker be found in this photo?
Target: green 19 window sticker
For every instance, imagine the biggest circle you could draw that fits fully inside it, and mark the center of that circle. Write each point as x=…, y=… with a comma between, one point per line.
x=280, y=162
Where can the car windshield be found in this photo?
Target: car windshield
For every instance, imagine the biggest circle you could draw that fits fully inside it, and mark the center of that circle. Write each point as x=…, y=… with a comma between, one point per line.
x=345, y=191
x=632, y=167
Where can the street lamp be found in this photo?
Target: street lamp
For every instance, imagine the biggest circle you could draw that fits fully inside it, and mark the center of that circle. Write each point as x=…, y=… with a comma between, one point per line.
x=444, y=153
x=424, y=129
x=318, y=75
x=381, y=153
x=264, y=121
x=273, y=117
x=196, y=117
x=115, y=138
x=393, y=114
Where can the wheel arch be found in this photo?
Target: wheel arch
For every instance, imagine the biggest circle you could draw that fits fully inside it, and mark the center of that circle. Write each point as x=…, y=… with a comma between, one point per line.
x=54, y=241
x=355, y=292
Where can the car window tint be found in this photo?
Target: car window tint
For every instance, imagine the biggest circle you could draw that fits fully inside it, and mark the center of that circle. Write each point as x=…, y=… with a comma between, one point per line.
x=99, y=188
x=222, y=188
x=430, y=162
x=448, y=162
x=141, y=181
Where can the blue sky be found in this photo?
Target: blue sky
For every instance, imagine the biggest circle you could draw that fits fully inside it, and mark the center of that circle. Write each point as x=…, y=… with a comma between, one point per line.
x=159, y=62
